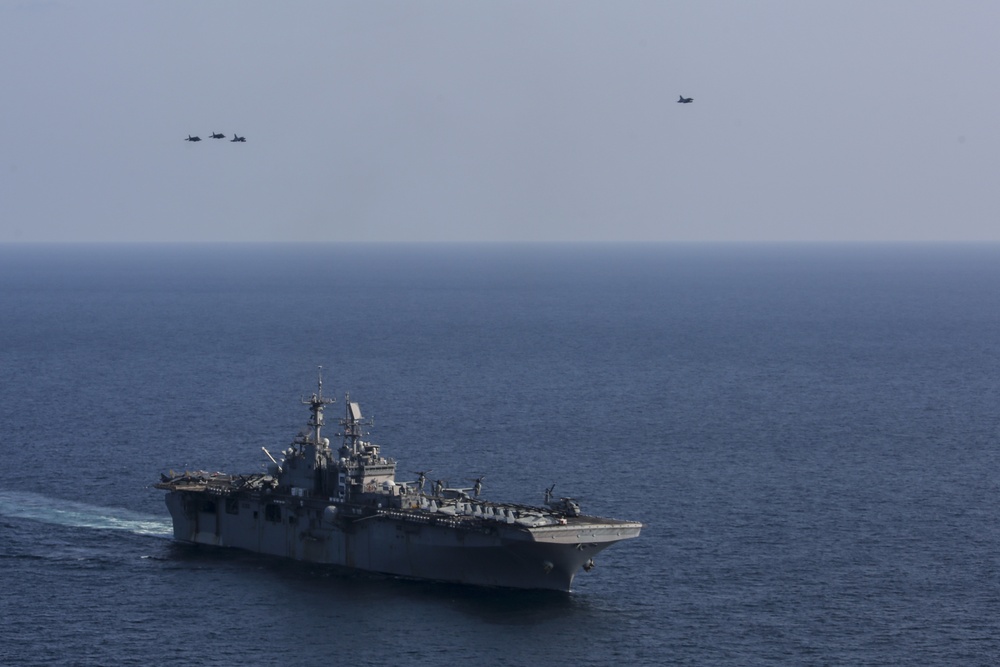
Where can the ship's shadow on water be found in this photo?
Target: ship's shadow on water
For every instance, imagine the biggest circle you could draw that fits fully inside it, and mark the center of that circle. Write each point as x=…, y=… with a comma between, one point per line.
x=504, y=606
x=498, y=606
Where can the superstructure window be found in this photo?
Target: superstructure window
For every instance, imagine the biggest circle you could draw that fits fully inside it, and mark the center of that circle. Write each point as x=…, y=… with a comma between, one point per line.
x=273, y=513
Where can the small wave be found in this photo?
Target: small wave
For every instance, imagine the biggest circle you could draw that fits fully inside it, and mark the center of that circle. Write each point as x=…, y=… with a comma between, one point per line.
x=36, y=507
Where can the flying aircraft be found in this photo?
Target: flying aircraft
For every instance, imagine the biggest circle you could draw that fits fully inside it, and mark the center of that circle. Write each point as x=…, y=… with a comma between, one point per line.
x=236, y=138
x=685, y=100
x=218, y=135
x=190, y=138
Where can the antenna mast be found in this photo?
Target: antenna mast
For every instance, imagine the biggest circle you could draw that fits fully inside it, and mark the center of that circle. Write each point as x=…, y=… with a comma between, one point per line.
x=316, y=403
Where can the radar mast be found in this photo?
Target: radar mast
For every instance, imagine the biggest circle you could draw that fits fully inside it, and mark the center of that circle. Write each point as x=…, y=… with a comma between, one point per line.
x=316, y=403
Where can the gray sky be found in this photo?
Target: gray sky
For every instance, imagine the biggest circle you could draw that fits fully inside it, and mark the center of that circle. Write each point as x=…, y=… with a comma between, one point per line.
x=871, y=120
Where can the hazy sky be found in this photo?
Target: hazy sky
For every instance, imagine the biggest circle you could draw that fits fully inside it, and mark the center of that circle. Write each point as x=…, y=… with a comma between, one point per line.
x=538, y=120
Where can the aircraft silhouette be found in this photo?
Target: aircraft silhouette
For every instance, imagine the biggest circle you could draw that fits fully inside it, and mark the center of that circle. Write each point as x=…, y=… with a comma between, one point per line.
x=236, y=138
x=567, y=505
x=190, y=138
x=217, y=135
x=421, y=478
x=685, y=100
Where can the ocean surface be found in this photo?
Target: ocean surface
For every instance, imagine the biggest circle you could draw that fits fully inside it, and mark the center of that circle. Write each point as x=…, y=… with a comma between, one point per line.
x=809, y=434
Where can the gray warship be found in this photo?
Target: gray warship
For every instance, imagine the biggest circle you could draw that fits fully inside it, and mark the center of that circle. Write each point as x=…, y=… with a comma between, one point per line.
x=343, y=507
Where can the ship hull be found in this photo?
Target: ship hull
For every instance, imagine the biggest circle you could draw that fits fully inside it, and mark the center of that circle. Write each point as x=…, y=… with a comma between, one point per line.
x=398, y=543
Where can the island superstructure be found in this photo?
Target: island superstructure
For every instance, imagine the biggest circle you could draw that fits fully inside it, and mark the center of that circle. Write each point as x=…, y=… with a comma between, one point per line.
x=344, y=507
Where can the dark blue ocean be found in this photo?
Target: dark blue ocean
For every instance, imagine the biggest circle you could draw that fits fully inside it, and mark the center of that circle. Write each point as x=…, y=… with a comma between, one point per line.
x=809, y=434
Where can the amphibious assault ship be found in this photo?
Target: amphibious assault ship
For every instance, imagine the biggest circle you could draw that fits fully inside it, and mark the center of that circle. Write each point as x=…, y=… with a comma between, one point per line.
x=344, y=507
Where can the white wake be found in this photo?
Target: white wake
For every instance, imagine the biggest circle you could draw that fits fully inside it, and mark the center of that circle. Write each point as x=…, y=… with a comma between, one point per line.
x=36, y=507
